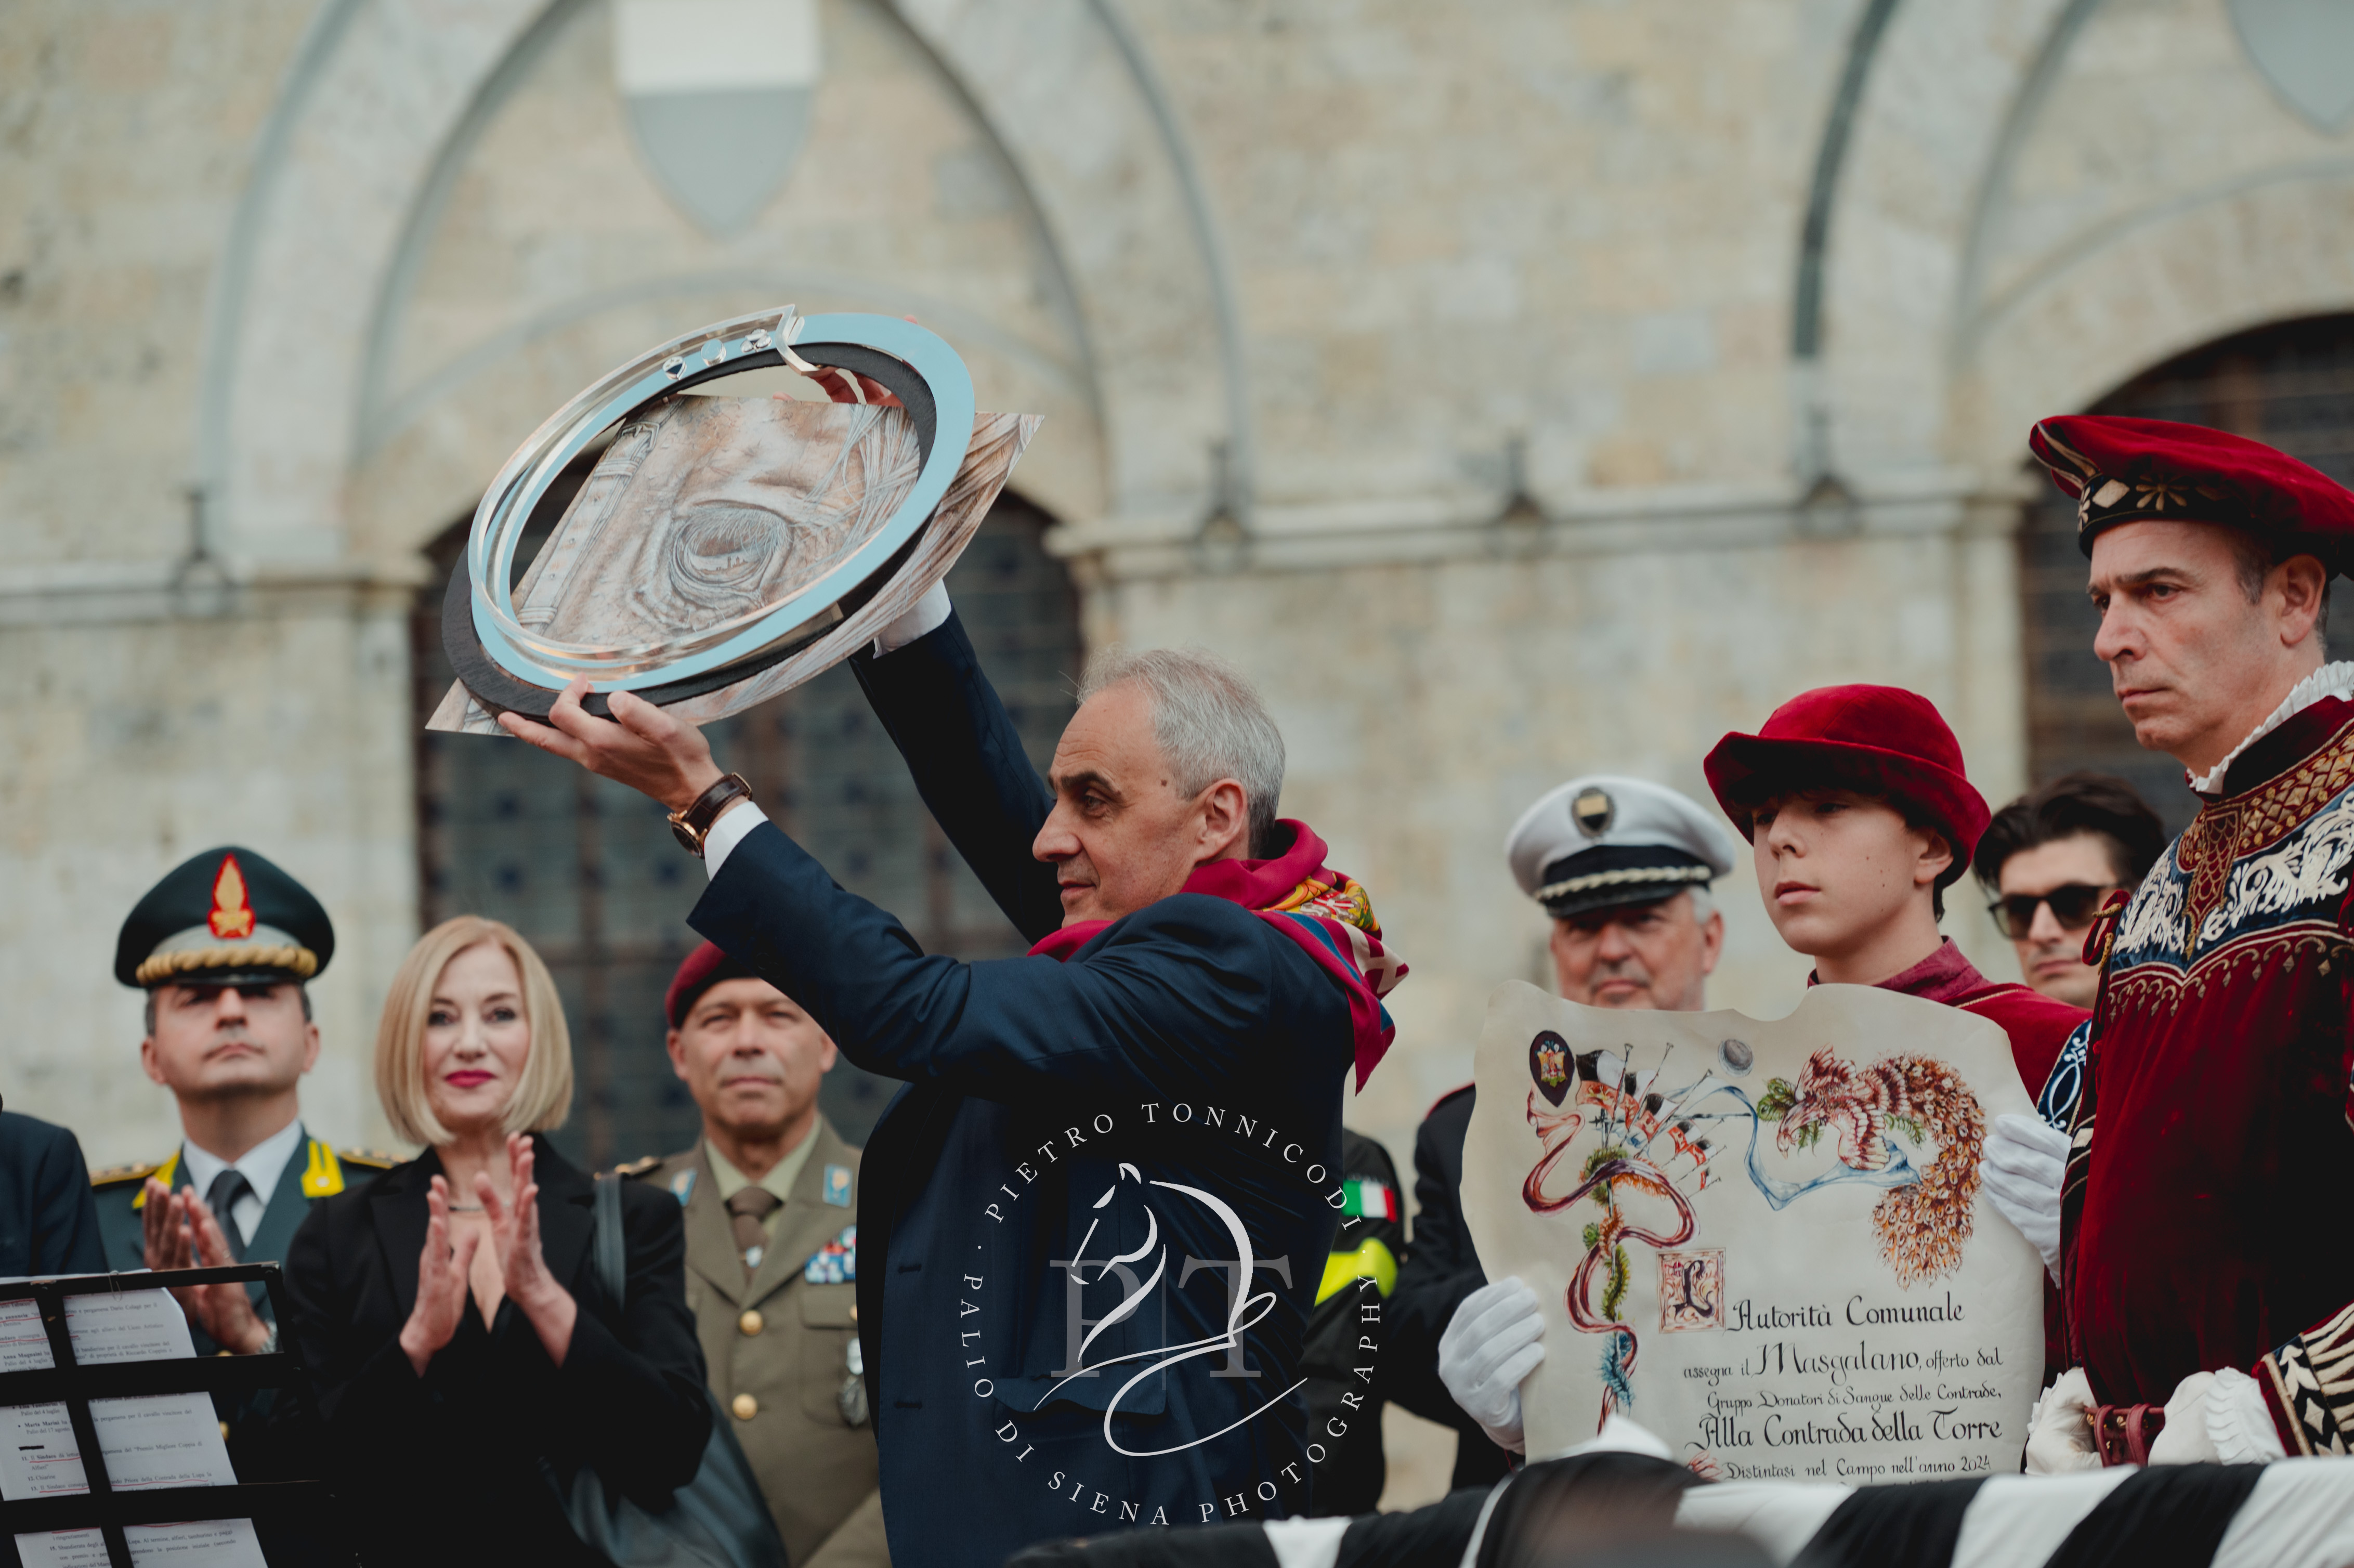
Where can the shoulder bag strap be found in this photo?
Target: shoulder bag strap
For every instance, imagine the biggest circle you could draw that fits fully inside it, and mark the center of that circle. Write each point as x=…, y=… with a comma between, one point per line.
x=608, y=1253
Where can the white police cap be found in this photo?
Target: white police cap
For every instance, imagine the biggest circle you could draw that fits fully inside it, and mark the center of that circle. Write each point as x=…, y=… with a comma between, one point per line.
x=1606, y=840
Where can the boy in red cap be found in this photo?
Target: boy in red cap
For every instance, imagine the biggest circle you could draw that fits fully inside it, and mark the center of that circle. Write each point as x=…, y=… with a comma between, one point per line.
x=2199, y=1268
x=1860, y=816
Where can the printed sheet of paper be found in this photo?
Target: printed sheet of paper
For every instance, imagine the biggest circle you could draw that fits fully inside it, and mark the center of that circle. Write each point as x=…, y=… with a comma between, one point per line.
x=200, y=1543
x=127, y=1325
x=23, y=1342
x=1763, y=1241
x=113, y=1326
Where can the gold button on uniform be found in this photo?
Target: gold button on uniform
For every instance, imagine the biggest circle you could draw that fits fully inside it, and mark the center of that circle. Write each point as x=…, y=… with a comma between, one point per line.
x=854, y=1311
x=745, y=1406
x=750, y=1322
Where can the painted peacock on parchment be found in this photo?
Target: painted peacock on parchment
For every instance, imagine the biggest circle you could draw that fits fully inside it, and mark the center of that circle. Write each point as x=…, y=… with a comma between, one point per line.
x=1922, y=1224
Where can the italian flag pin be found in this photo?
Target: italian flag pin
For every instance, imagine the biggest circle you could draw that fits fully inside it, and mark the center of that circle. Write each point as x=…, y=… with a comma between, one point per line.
x=1373, y=1200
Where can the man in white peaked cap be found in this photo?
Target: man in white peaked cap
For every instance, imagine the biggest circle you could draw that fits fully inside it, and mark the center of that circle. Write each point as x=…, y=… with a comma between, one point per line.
x=1623, y=866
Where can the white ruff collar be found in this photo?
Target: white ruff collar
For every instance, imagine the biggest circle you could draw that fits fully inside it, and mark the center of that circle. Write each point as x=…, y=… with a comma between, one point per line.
x=2330, y=681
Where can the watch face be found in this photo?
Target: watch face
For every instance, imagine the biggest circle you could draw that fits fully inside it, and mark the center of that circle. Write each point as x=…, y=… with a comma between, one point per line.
x=689, y=840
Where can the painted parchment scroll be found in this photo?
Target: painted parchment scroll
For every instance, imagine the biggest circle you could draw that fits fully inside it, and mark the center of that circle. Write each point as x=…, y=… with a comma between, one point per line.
x=1763, y=1240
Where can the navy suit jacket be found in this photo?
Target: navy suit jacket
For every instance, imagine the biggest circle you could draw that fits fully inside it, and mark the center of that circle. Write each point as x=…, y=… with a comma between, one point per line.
x=49, y=1219
x=1190, y=1043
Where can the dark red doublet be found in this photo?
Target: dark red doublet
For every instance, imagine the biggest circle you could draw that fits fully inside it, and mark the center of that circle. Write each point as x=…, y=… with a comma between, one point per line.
x=2198, y=1228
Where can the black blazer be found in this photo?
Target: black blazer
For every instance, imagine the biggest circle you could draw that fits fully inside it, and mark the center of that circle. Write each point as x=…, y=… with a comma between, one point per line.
x=446, y=1468
x=48, y=1220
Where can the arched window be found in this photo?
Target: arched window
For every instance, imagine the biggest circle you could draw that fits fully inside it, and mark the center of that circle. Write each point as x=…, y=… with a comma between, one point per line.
x=588, y=873
x=2290, y=385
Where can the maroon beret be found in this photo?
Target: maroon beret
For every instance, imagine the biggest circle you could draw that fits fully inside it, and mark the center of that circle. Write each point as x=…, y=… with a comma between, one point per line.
x=2144, y=471
x=701, y=969
x=1875, y=737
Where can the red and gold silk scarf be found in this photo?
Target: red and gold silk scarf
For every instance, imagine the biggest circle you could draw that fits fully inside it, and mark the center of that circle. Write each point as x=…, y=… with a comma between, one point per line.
x=1319, y=908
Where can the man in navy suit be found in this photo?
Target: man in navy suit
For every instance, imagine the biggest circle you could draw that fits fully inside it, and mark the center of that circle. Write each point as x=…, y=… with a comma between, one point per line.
x=48, y=1222
x=1095, y=1220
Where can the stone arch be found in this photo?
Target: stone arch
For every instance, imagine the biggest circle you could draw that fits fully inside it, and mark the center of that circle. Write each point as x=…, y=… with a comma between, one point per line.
x=378, y=86
x=1932, y=114
x=1932, y=356
x=2205, y=270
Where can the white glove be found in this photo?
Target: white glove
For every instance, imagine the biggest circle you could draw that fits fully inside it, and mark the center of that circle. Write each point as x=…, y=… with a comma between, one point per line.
x=925, y=615
x=1494, y=1340
x=2217, y=1418
x=2060, y=1427
x=2025, y=1160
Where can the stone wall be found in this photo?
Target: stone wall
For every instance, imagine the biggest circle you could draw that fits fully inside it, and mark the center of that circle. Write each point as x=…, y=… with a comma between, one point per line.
x=1484, y=315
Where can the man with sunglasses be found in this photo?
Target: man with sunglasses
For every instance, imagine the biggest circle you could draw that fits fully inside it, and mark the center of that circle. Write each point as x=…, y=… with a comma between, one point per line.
x=2208, y=1302
x=2051, y=859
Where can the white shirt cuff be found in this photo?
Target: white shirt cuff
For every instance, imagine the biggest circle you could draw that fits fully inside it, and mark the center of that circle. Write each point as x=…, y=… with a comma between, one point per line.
x=927, y=615
x=2239, y=1422
x=728, y=832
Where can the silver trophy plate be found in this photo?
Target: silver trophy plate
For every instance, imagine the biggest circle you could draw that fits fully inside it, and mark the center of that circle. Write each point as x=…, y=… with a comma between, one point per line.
x=723, y=550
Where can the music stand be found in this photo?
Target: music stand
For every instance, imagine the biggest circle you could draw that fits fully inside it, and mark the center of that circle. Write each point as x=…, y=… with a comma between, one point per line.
x=102, y=1507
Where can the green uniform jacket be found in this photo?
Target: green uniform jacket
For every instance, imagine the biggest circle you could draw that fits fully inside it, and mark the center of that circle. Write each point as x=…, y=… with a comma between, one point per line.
x=257, y=1449
x=312, y=1172
x=778, y=1350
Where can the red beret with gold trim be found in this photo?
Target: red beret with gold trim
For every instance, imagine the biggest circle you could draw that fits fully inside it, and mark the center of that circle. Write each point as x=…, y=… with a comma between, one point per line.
x=2145, y=470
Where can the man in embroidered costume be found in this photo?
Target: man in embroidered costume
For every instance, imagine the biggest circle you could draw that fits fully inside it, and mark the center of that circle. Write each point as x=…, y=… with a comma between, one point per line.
x=224, y=946
x=1066, y=1187
x=2209, y=1118
x=1623, y=866
x=771, y=1193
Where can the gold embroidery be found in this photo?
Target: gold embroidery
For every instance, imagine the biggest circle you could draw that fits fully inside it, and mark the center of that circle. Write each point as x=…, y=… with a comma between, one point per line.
x=2239, y=825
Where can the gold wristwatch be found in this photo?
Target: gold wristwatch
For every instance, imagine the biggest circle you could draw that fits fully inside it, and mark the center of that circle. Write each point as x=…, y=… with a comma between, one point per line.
x=693, y=825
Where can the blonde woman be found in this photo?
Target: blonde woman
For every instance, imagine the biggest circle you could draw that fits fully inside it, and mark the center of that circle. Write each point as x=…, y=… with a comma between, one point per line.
x=465, y=1359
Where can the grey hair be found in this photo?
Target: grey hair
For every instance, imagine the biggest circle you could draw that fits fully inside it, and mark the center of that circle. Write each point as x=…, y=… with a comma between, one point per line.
x=1209, y=721
x=1702, y=904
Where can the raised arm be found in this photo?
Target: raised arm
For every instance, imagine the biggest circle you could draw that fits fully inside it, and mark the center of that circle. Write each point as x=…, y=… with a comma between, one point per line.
x=1164, y=1003
x=968, y=763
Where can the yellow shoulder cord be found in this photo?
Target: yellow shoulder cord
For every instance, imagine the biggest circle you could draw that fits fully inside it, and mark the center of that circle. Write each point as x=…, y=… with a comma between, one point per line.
x=323, y=1176
x=1371, y=1261
x=163, y=1174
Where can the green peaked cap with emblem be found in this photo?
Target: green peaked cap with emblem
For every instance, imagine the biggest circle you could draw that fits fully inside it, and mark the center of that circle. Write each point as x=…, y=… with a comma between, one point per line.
x=228, y=916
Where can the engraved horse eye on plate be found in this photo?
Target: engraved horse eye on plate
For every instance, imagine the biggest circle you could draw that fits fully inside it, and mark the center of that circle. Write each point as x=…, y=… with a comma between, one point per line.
x=720, y=555
x=1736, y=1057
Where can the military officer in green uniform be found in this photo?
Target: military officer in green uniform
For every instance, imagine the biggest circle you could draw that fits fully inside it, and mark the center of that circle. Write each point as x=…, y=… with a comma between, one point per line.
x=771, y=1192
x=223, y=946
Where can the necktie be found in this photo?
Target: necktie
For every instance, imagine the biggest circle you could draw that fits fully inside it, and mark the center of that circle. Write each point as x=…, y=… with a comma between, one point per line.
x=227, y=1189
x=750, y=1207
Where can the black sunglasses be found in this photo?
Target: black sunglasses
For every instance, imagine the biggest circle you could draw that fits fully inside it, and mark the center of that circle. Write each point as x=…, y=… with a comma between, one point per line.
x=2073, y=905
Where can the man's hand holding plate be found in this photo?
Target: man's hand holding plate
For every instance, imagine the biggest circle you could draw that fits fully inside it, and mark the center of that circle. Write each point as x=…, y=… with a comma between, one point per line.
x=640, y=745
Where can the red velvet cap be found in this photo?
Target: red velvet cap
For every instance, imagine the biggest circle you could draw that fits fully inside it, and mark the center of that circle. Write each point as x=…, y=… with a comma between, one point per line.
x=1879, y=738
x=2142, y=470
x=698, y=973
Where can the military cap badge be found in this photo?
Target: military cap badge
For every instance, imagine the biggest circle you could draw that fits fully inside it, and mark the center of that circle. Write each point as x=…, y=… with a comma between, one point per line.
x=227, y=916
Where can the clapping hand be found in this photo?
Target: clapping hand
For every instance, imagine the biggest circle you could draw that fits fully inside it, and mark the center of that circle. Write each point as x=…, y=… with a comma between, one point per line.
x=442, y=1282
x=515, y=1242
x=181, y=1233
